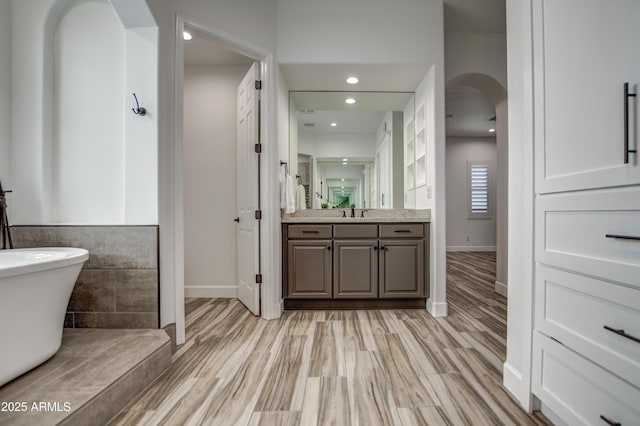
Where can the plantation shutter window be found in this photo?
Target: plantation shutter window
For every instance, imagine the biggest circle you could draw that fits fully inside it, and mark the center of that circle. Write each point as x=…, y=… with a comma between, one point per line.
x=478, y=190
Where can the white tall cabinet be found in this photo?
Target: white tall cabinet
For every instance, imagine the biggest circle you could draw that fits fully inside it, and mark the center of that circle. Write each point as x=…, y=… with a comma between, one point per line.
x=586, y=347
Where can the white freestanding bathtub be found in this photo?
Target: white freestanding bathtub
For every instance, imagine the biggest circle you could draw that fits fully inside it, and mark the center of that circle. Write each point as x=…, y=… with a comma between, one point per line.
x=35, y=287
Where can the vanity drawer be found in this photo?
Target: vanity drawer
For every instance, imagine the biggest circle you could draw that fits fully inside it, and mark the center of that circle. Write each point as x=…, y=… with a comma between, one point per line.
x=596, y=233
x=574, y=309
x=311, y=231
x=578, y=390
x=355, y=231
x=402, y=230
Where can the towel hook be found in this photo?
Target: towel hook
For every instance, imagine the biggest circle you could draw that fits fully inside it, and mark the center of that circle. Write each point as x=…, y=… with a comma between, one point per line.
x=138, y=110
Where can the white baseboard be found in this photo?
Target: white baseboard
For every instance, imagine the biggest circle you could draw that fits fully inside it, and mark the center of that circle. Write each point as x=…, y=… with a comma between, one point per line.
x=274, y=311
x=512, y=380
x=437, y=309
x=217, y=292
x=501, y=288
x=551, y=415
x=471, y=248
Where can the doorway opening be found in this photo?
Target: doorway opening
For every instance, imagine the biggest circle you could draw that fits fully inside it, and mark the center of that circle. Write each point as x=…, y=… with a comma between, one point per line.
x=217, y=246
x=477, y=166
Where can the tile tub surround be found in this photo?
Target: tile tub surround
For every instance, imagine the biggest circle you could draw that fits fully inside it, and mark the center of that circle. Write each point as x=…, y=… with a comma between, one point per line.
x=118, y=286
x=95, y=372
x=374, y=215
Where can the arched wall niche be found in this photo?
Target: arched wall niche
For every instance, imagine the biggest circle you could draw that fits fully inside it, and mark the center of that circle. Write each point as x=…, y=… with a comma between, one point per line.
x=497, y=95
x=98, y=159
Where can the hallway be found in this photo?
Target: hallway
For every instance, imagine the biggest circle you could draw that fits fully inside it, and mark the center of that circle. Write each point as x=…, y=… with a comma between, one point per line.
x=342, y=367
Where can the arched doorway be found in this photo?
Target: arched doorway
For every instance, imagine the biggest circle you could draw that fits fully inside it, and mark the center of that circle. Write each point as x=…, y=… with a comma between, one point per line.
x=497, y=95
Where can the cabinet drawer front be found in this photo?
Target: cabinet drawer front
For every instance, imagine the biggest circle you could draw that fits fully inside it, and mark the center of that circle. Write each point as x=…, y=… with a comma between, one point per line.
x=578, y=390
x=583, y=232
x=402, y=230
x=355, y=231
x=575, y=309
x=309, y=231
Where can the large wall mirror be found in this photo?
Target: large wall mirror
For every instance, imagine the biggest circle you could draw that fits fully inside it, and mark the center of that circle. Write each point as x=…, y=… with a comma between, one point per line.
x=349, y=148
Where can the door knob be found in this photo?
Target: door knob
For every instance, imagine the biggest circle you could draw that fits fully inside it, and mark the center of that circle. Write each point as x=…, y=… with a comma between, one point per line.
x=237, y=219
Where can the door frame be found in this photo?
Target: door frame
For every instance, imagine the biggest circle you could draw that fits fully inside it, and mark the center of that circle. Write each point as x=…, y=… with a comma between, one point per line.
x=270, y=296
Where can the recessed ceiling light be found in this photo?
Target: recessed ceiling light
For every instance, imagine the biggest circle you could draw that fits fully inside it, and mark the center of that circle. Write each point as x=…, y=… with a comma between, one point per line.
x=345, y=159
x=186, y=35
x=492, y=130
x=352, y=80
x=334, y=124
x=342, y=187
x=342, y=179
x=349, y=101
x=344, y=162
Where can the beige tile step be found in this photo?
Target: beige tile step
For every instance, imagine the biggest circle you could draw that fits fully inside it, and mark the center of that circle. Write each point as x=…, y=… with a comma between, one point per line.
x=94, y=375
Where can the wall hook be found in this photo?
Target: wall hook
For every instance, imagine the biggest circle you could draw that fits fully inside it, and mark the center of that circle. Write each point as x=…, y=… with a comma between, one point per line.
x=138, y=110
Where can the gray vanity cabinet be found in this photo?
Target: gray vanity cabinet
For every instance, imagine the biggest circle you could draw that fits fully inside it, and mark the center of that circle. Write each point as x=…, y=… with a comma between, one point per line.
x=344, y=266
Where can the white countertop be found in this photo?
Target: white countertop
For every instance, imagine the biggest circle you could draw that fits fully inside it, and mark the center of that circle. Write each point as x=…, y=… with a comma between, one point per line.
x=370, y=216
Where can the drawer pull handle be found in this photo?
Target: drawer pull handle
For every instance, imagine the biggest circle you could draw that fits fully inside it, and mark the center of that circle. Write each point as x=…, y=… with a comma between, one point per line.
x=623, y=237
x=402, y=230
x=310, y=232
x=622, y=333
x=627, y=150
x=610, y=422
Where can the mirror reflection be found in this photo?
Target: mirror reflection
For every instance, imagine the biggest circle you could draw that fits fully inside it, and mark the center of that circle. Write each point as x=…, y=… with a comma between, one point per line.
x=347, y=148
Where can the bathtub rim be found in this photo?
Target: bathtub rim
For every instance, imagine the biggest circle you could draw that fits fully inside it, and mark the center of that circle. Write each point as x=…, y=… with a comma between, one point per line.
x=73, y=256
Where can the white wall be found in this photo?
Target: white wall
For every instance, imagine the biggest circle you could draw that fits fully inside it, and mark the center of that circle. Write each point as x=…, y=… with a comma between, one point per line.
x=35, y=159
x=484, y=53
x=210, y=99
x=141, y=140
x=430, y=93
x=5, y=93
x=359, y=31
x=517, y=367
x=481, y=232
x=88, y=164
x=338, y=145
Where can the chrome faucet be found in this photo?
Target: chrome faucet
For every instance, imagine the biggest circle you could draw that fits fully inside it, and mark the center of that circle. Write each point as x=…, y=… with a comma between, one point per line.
x=353, y=210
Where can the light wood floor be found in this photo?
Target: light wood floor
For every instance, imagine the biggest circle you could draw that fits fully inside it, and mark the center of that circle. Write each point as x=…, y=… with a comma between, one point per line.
x=393, y=367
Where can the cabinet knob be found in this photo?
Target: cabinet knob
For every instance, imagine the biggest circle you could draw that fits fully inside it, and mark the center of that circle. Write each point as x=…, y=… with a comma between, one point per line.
x=375, y=248
x=237, y=219
x=383, y=248
x=328, y=247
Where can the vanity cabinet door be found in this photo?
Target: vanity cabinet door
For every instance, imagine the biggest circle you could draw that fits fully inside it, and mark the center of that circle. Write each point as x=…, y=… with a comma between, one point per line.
x=309, y=269
x=401, y=268
x=355, y=269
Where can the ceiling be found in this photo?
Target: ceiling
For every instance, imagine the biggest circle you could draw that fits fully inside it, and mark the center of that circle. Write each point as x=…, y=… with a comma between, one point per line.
x=467, y=110
x=202, y=50
x=468, y=113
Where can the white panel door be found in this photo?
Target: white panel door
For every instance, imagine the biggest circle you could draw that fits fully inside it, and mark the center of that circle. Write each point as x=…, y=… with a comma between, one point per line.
x=584, y=52
x=248, y=229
